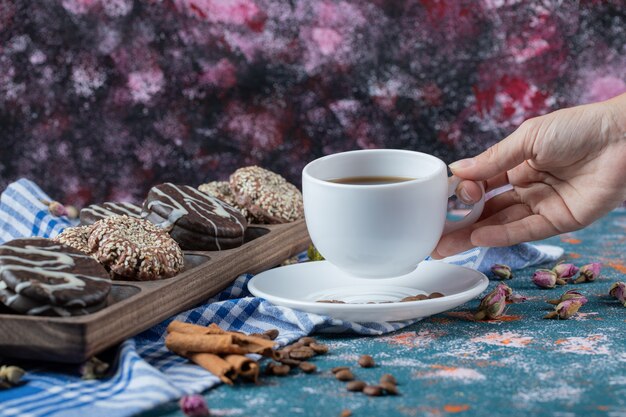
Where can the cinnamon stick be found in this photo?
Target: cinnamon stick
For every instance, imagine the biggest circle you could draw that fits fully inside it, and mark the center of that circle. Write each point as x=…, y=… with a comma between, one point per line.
x=188, y=328
x=244, y=366
x=182, y=343
x=219, y=367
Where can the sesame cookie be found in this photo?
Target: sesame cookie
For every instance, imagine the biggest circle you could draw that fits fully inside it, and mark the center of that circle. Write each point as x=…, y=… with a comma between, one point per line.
x=221, y=190
x=267, y=196
x=75, y=237
x=135, y=249
x=197, y=221
x=51, y=273
x=95, y=212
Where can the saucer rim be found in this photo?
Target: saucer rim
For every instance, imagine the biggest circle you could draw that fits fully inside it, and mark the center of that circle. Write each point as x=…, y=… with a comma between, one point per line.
x=482, y=281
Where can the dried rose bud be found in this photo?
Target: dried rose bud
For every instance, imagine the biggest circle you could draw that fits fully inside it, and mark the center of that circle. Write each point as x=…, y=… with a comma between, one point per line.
x=94, y=368
x=516, y=298
x=589, y=272
x=568, y=295
x=544, y=278
x=618, y=290
x=492, y=306
x=72, y=212
x=12, y=375
x=313, y=254
x=502, y=271
x=566, y=309
x=57, y=209
x=565, y=270
x=194, y=406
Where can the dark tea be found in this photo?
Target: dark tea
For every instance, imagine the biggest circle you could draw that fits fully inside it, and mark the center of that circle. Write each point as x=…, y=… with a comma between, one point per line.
x=373, y=180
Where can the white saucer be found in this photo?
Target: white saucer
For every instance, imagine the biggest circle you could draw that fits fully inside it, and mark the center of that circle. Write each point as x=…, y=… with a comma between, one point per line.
x=299, y=286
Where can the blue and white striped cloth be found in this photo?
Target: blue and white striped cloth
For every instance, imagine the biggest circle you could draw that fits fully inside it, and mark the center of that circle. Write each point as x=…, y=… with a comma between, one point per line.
x=144, y=373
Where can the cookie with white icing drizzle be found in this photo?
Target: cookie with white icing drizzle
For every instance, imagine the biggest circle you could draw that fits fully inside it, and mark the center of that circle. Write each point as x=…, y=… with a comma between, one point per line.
x=95, y=212
x=267, y=196
x=28, y=306
x=52, y=273
x=196, y=221
x=135, y=249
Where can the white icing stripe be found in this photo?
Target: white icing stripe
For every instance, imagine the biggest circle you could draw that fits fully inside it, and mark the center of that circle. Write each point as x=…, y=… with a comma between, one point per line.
x=197, y=202
x=113, y=209
x=51, y=267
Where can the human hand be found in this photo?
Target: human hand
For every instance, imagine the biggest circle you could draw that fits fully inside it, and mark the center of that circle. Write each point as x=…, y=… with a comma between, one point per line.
x=567, y=169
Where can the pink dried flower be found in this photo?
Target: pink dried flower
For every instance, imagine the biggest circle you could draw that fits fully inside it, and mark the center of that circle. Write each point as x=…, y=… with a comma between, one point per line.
x=493, y=304
x=565, y=270
x=502, y=271
x=72, y=212
x=544, y=278
x=618, y=290
x=566, y=309
x=516, y=298
x=589, y=272
x=568, y=295
x=194, y=406
x=57, y=209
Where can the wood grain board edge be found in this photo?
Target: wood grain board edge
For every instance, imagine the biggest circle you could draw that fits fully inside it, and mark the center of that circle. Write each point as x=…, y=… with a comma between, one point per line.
x=75, y=339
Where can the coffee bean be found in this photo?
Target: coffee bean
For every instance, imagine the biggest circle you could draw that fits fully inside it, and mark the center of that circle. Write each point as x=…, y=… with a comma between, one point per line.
x=436, y=295
x=339, y=368
x=355, y=386
x=373, y=391
x=388, y=378
x=281, y=370
x=301, y=353
x=271, y=333
x=345, y=413
x=319, y=348
x=307, y=367
x=366, y=361
x=306, y=341
x=418, y=297
x=344, y=375
x=389, y=388
x=286, y=360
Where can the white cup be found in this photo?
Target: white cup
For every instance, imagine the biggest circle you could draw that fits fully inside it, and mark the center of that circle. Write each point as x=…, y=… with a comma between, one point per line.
x=381, y=230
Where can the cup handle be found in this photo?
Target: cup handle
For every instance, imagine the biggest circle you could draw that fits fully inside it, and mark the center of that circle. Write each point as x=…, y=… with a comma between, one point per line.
x=472, y=216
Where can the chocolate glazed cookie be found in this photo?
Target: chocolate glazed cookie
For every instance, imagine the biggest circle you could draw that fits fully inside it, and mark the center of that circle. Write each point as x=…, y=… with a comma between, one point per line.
x=95, y=212
x=195, y=220
x=49, y=272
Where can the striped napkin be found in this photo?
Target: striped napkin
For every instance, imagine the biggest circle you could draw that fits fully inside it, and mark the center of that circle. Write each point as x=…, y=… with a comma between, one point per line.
x=144, y=374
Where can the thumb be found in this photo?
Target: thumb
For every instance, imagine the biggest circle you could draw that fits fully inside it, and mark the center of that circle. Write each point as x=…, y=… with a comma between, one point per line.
x=501, y=157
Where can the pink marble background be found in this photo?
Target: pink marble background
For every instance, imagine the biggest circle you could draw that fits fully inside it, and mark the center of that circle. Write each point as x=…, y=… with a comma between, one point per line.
x=100, y=99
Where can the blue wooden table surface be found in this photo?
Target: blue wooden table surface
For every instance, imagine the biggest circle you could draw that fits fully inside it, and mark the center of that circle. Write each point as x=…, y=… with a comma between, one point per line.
x=451, y=365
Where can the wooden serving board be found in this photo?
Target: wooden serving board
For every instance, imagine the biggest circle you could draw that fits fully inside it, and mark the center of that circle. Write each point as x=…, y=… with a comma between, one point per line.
x=134, y=306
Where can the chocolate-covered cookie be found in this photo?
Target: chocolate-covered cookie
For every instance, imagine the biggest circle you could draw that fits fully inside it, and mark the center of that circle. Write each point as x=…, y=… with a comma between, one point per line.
x=135, y=249
x=49, y=272
x=95, y=212
x=28, y=306
x=197, y=221
x=267, y=196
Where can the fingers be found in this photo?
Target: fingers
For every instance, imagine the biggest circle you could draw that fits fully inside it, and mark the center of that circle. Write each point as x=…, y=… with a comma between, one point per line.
x=500, y=202
x=534, y=227
x=461, y=240
x=501, y=157
x=469, y=192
